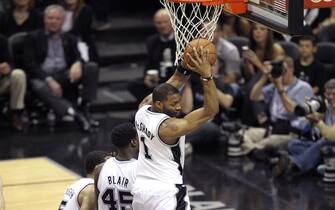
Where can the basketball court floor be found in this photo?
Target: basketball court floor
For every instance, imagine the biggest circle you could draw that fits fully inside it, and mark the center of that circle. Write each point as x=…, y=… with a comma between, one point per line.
x=43, y=164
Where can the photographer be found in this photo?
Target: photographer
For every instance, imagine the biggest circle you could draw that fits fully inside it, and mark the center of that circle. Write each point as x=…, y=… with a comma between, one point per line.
x=280, y=98
x=305, y=155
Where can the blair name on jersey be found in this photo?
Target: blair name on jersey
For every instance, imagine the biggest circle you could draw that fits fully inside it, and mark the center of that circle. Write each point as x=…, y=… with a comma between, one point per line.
x=122, y=181
x=141, y=127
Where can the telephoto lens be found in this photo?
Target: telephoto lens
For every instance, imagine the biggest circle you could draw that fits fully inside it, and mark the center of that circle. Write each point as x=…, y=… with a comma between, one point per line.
x=312, y=105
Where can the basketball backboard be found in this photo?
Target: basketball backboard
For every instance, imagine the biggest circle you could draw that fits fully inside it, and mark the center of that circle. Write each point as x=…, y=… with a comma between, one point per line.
x=284, y=16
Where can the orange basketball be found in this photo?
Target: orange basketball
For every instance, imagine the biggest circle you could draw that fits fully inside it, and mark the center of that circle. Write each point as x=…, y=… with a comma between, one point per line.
x=206, y=44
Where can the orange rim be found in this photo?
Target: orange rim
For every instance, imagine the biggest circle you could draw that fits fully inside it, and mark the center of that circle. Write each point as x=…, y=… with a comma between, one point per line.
x=208, y=2
x=191, y=1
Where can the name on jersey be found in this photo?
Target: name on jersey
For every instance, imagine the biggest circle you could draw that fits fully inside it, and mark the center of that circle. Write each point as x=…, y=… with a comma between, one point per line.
x=122, y=181
x=69, y=192
x=141, y=127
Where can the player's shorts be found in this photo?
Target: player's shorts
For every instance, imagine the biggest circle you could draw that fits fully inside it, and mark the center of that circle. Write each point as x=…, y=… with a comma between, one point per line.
x=160, y=197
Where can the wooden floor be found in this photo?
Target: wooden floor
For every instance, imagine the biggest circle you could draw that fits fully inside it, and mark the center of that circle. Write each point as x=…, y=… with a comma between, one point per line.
x=34, y=183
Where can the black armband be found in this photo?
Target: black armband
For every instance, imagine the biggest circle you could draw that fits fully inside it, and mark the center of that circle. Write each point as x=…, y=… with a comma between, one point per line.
x=181, y=69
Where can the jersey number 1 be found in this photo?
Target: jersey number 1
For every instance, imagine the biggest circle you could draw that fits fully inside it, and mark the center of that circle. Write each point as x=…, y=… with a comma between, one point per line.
x=146, y=150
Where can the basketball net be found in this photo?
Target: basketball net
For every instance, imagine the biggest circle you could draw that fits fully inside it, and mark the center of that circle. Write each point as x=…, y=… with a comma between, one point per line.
x=193, y=19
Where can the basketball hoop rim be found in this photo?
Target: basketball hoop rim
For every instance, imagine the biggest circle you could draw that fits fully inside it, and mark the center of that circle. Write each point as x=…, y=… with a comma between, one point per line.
x=206, y=1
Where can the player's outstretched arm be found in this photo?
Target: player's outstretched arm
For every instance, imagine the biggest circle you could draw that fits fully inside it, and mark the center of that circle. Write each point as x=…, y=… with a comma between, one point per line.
x=173, y=128
x=86, y=198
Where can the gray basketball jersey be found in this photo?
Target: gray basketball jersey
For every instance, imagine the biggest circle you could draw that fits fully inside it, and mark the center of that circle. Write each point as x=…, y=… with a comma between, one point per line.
x=115, y=182
x=70, y=200
x=157, y=161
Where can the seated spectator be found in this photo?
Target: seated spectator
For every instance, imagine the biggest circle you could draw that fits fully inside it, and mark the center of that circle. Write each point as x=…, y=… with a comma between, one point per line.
x=228, y=65
x=12, y=82
x=261, y=48
x=161, y=48
x=55, y=69
x=78, y=21
x=306, y=154
x=281, y=98
x=307, y=67
x=326, y=22
x=22, y=17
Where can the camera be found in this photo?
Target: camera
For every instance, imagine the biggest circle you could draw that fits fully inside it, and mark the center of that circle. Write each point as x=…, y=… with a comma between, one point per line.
x=315, y=104
x=277, y=69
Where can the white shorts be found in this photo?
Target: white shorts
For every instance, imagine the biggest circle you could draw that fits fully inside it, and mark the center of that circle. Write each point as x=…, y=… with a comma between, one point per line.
x=162, y=197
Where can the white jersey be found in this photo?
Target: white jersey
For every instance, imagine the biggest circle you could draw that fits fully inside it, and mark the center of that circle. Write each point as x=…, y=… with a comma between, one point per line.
x=115, y=182
x=157, y=161
x=70, y=200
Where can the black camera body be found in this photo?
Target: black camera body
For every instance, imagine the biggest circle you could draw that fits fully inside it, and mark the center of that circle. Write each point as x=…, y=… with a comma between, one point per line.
x=315, y=104
x=277, y=69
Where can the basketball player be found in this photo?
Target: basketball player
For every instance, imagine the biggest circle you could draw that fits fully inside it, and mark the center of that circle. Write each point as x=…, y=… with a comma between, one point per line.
x=80, y=195
x=114, y=180
x=159, y=182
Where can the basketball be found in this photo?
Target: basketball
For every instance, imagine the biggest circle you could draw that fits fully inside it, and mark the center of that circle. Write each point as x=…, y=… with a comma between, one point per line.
x=197, y=43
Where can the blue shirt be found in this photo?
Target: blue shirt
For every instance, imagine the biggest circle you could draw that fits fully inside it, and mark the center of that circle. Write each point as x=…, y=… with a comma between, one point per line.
x=297, y=92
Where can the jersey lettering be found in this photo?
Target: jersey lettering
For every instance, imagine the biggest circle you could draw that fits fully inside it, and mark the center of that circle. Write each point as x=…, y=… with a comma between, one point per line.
x=146, y=150
x=117, y=199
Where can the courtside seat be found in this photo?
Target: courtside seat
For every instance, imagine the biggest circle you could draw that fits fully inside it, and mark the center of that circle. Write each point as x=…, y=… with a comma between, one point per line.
x=290, y=48
x=326, y=55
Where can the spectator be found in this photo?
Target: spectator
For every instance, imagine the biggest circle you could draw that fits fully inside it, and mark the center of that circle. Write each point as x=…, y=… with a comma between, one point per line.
x=280, y=98
x=228, y=64
x=78, y=21
x=22, y=17
x=307, y=67
x=161, y=48
x=55, y=69
x=12, y=81
x=305, y=154
x=261, y=48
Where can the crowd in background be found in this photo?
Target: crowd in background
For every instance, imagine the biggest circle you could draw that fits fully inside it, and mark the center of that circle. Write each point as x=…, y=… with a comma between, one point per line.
x=58, y=64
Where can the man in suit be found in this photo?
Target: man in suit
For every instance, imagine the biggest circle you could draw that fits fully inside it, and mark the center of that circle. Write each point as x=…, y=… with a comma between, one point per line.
x=161, y=48
x=13, y=83
x=56, y=69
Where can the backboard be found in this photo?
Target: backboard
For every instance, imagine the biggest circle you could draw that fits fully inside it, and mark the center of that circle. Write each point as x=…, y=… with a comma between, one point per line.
x=284, y=16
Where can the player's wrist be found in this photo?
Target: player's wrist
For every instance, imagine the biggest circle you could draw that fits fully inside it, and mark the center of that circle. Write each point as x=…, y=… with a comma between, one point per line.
x=207, y=77
x=181, y=69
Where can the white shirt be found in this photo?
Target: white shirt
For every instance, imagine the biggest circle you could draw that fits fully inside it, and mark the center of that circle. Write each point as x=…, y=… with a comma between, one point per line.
x=115, y=182
x=157, y=160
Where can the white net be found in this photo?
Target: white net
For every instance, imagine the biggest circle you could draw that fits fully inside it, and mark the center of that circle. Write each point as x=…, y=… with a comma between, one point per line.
x=190, y=21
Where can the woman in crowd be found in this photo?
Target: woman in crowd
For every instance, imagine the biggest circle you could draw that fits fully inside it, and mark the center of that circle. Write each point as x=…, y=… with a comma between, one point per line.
x=22, y=17
x=261, y=48
x=78, y=21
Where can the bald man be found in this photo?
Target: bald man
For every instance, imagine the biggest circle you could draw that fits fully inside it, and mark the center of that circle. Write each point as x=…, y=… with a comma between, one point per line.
x=161, y=48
